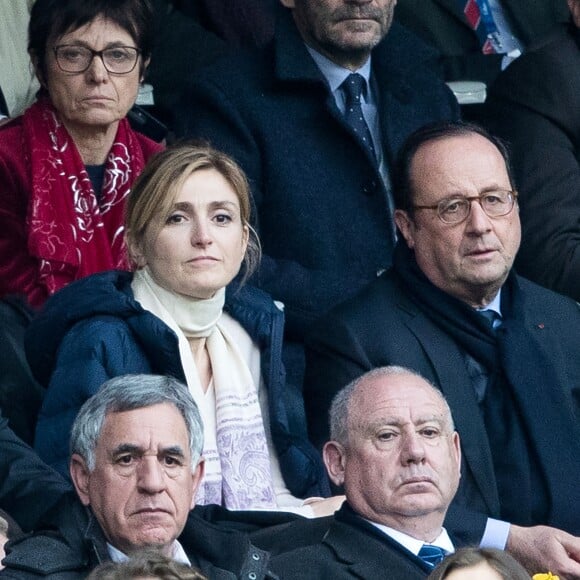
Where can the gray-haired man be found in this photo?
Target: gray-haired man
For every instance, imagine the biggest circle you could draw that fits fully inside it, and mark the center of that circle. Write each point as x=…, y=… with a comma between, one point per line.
x=135, y=465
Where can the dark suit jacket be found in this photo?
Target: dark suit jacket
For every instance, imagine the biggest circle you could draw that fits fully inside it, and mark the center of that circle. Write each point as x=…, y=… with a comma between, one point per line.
x=182, y=46
x=443, y=24
x=351, y=548
x=73, y=543
x=321, y=204
x=20, y=395
x=238, y=22
x=28, y=487
x=535, y=106
x=382, y=326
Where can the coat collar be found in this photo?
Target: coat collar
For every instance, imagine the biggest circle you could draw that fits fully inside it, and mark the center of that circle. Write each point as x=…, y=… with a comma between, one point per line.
x=292, y=63
x=365, y=562
x=225, y=552
x=392, y=56
x=451, y=378
x=218, y=549
x=395, y=61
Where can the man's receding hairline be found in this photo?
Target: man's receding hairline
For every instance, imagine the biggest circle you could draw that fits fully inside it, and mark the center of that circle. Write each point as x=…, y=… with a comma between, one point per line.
x=441, y=139
x=420, y=382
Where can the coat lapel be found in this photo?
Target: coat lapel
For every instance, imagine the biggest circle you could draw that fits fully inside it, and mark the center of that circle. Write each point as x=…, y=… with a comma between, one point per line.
x=546, y=406
x=294, y=64
x=451, y=376
x=453, y=7
x=367, y=553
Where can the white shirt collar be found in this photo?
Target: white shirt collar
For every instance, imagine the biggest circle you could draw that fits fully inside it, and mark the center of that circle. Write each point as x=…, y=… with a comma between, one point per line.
x=178, y=554
x=442, y=541
x=494, y=305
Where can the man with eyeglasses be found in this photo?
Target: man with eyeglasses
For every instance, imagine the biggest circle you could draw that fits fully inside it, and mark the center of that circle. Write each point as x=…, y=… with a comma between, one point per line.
x=504, y=352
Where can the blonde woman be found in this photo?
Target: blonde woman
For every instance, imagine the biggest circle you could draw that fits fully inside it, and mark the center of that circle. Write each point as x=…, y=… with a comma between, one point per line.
x=181, y=314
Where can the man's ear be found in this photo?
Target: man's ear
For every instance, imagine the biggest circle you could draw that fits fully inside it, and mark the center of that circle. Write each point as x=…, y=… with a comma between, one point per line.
x=406, y=226
x=197, y=476
x=80, y=475
x=334, y=458
x=457, y=451
x=288, y=3
x=574, y=6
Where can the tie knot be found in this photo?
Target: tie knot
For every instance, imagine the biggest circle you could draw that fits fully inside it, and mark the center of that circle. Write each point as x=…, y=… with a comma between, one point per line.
x=491, y=316
x=431, y=555
x=353, y=87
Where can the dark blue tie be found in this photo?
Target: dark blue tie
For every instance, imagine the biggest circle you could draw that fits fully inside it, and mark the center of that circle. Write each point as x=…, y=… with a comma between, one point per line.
x=491, y=316
x=352, y=88
x=431, y=555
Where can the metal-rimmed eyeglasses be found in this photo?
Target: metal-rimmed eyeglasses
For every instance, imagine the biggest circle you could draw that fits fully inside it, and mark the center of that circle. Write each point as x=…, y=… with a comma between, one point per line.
x=118, y=60
x=456, y=209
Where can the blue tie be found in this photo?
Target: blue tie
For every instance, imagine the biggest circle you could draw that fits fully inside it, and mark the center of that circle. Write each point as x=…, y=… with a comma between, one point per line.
x=352, y=88
x=492, y=317
x=431, y=555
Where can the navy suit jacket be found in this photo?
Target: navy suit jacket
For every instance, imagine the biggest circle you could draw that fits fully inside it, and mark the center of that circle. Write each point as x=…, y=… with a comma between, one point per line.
x=382, y=326
x=443, y=24
x=28, y=487
x=321, y=204
x=351, y=548
x=535, y=107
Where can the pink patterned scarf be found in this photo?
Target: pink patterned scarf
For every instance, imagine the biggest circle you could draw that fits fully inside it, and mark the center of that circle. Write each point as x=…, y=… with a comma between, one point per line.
x=68, y=231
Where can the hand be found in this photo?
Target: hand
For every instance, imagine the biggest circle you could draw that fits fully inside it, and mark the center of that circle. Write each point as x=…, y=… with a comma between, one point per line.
x=545, y=549
x=325, y=507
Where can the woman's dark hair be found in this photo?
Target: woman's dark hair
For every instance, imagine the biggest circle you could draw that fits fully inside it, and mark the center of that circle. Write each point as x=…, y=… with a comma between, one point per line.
x=504, y=564
x=50, y=19
x=403, y=193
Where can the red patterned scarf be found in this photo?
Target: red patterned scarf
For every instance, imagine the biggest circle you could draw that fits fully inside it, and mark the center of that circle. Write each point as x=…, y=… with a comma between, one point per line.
x=68, y=231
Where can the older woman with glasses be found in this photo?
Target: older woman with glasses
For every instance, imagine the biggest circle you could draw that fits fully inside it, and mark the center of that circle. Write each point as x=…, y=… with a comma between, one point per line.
x=67, y=164
x=181, y=314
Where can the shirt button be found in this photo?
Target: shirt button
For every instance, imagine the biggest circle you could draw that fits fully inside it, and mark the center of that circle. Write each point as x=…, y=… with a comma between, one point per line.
x=256, y=556
x=252, y=576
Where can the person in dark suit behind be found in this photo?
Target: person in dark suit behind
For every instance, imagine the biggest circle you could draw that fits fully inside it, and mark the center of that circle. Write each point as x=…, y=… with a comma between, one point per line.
x=182, y=46
x=444, y=24
x=28, y=487
x=395, y=450
x=241, y=23
x=535, y=106
x=513, y=385
x=322, y=195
